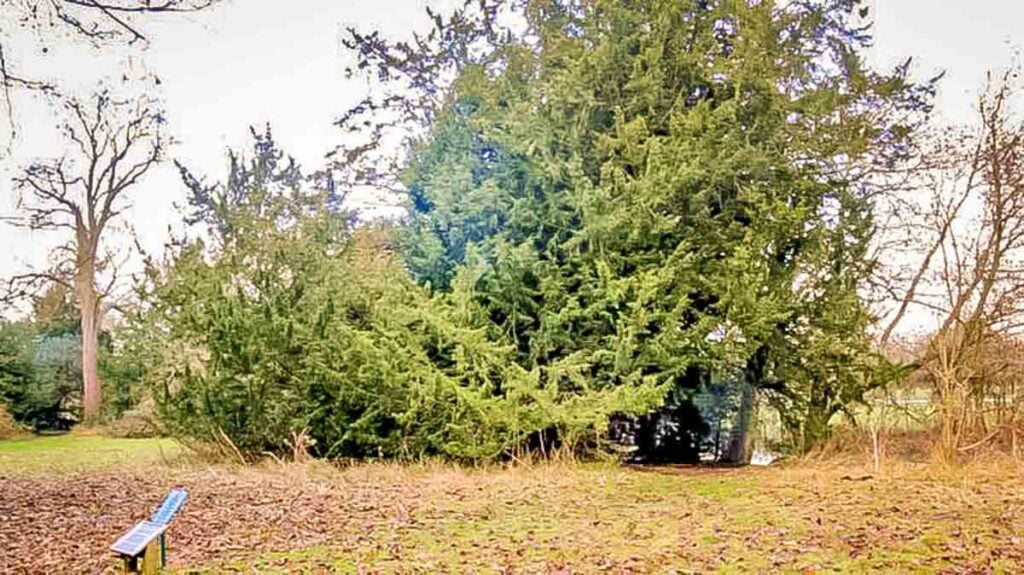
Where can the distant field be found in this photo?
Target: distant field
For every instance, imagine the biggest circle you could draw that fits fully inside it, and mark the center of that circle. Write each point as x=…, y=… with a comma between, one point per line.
x=574, y=518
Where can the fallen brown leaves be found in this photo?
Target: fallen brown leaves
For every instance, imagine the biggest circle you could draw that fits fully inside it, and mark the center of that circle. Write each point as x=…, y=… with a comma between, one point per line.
x=66, y=524
x=543, y=519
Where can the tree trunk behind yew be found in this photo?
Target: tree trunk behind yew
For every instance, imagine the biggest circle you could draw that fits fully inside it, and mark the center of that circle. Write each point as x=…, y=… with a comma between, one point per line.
x=740, y=441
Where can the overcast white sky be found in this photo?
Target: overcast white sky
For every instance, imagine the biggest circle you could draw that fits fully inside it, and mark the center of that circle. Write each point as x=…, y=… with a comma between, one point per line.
x=280, y=61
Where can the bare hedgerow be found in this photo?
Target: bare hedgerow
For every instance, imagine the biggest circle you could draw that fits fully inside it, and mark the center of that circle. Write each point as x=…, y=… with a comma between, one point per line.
x=970, y=273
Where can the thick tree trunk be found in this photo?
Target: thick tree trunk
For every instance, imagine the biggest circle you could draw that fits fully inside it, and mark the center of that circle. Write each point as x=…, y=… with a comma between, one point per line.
x=740, y=448
x=89, y=309
x=740, y=443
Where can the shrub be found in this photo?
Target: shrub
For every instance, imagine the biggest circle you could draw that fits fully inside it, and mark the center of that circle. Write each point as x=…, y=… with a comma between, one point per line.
x=39, y=376
x=350, y=351
x=9, y=428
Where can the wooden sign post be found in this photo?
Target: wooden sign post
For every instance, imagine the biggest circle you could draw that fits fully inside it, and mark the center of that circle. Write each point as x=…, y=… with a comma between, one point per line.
x=143, y=549
x=139, y=549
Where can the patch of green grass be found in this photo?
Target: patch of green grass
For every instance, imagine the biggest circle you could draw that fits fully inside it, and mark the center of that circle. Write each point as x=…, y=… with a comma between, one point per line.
x=76, y=453
x=314, y=559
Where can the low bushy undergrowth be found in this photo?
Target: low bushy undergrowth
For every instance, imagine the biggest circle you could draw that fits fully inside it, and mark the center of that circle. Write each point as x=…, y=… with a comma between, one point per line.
x=284, y=320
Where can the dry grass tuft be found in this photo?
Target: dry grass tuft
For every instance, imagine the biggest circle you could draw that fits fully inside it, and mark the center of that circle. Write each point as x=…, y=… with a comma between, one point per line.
x=9, y=428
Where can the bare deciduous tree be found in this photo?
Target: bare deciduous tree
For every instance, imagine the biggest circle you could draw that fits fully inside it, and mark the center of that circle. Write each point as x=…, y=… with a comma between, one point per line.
x=112, y=145
x=970, y=273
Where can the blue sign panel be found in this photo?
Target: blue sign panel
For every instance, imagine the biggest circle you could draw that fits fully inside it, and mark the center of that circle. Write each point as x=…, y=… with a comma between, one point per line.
x=175, y=499
x=133, y=543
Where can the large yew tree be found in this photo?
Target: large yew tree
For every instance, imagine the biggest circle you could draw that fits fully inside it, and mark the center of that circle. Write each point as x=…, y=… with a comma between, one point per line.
x=667, y=190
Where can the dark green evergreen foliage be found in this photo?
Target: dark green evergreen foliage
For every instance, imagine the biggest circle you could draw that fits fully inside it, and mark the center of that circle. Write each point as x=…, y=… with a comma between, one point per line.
x=121, y=374
x=16, y=369
x=244, y=308
x=266, y=185
x=281, y=317
x=615, y=208
x=53, y=399
x=41, y=381
x=630, y=190
x=40, y=373
x=39, y=376
x=469, y=187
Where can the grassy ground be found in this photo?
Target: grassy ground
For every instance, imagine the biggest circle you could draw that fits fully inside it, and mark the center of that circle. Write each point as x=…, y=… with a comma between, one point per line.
x=541, y=519
x=75, y=453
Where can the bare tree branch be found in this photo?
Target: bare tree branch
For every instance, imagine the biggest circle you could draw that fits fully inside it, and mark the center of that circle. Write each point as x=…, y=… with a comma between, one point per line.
x=98, y=21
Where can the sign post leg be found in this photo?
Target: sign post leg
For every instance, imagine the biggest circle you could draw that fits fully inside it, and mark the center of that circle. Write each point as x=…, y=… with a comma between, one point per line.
x=131, y=564
x=151, y=560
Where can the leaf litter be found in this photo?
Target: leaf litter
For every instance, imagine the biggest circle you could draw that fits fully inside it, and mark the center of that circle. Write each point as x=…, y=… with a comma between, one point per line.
x=542, y=519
